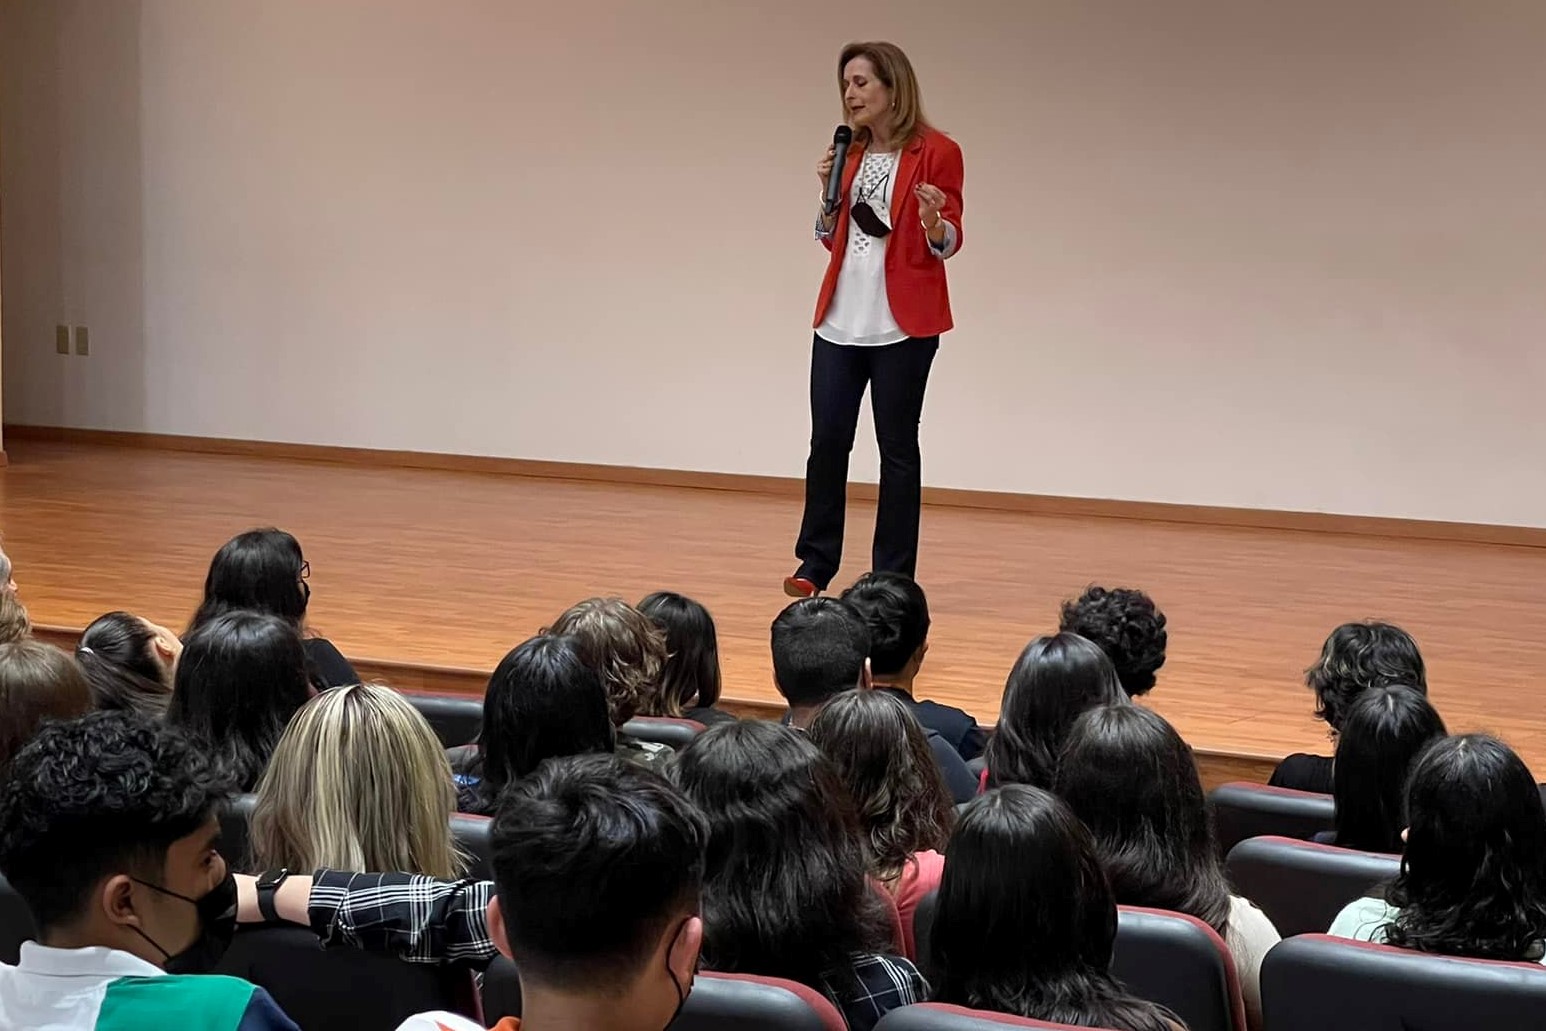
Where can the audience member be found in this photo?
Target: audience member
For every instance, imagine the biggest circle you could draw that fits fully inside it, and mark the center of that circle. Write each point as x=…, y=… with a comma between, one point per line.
x=242, y=675
x=542, y=701
x=1356, y=657
x=7, y=575
x=1126, y=625
x=38, y=682
x=108, y=832
x=896, y=611
x=821, y=649
x=14, y=622
x=628, y=652
x=129, y=663
x=1026, y=923
x=786, y=893
x=1054, y=680
x=905, y=813
x=691, y=674
x=358, y=781
x=1471, y=882
x=1384, y=731
x=1128, y=775
x=264, y=570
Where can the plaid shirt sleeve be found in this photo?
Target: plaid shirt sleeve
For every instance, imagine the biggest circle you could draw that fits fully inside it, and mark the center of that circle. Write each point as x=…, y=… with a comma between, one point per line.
x=415, y=918
x=874, y=986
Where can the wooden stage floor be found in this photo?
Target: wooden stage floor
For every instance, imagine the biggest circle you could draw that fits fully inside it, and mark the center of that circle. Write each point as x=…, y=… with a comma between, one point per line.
x=443, y=569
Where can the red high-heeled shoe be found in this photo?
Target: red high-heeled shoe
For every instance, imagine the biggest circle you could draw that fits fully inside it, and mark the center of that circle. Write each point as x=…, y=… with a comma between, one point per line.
x=800, y=587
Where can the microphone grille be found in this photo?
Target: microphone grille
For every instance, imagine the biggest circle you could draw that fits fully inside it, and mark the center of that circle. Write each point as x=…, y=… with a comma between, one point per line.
x=842, y=134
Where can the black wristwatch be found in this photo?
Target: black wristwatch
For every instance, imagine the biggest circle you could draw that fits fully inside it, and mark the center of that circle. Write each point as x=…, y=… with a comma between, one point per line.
x=268, y=884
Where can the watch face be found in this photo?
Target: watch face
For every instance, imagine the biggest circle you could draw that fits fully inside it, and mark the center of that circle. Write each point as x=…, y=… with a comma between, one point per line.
x=273, y=878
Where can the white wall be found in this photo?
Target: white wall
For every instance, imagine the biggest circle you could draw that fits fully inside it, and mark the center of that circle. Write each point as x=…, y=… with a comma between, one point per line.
x=1224, y=252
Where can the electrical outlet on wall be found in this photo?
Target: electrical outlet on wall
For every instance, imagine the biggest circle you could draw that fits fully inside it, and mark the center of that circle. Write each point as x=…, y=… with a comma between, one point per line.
x=82, y=341
x=62, y=339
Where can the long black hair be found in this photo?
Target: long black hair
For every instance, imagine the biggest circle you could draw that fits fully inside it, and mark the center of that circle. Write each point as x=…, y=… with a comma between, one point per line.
x=1382, y=734
x=542, y=701
x=1128, y=775
x=241, y=677
x=786, y=892
x=260, y=570
x=691, y=674
x=1472, y=881
x=116, y=653
x=1054, y=680
x=1358, y=656
x=1026, y=923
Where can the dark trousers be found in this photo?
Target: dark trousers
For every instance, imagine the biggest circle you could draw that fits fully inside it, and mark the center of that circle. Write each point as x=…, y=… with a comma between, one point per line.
x=896, y=375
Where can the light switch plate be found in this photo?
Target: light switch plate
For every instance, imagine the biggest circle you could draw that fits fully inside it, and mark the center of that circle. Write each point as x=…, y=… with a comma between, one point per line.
x=62, y=339
x=82, y=341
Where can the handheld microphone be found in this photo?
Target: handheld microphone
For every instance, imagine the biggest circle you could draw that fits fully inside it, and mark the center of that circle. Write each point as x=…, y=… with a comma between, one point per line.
x=841, y=138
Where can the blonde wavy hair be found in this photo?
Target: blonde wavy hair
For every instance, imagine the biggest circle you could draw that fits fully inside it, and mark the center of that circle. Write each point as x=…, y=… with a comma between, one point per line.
x=358, y=782
x=627, y=650
x=895, y=72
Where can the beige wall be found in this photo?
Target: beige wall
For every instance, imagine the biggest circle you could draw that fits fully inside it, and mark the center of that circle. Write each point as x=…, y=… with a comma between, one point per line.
x=1218, y=251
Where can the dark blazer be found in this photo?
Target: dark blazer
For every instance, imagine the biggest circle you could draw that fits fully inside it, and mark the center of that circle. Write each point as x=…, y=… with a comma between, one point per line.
x=956, y=726
x=1303, y=773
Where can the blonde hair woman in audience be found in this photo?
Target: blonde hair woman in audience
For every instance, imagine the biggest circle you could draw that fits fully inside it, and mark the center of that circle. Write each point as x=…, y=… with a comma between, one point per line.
x=358, y=782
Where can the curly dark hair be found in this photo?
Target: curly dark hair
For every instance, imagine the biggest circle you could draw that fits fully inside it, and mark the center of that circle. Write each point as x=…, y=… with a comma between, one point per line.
x=881, y=753
x=1471, y=882
x=1127, y=626
x=103, y=794
x=1357, y=656
x=627, y=650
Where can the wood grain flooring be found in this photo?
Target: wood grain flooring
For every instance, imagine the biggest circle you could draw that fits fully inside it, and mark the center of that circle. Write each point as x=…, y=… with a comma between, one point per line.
x=420, y=568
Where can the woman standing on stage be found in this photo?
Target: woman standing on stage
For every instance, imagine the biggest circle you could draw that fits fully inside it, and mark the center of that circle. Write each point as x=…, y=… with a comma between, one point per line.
x=882, y=307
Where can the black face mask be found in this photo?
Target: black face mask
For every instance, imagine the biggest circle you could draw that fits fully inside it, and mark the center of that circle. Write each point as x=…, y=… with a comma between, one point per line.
x=217, y=926
x=681, y=993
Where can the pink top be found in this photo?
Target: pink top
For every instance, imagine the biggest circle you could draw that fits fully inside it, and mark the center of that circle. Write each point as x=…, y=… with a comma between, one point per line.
x=919, y=877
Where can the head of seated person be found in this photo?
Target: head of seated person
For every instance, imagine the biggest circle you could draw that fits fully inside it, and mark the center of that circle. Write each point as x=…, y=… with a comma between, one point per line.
x=240, y=678
x=543, y=701
x=1127, y=626
x=357, y=782
x=627, y=650
x=15, y=625
x=1055, y=680
x=598, y=872
x=1356, y=657
x=691, y=673
x=129, y=662
x=260, y=571
x=821, y=648
x=1026, y=924
x=1383, y=732
x=38, y=683
x=881, y=755
x=896, y=613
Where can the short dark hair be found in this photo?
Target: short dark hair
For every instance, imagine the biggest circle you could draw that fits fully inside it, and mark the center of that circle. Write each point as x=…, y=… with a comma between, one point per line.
x=542, y=701
x=114, y=653
x=691, y=673
x=819, y=648
x=38, y=682
x=593, y=857
x=1357, y=656
x=95, y=796
x=241, y=677
x=1384, y=731
x=626, y=649
x=896, y=611
x=1054, y=680
x=1128, y=775
x=258, y=570
x=1127, y=626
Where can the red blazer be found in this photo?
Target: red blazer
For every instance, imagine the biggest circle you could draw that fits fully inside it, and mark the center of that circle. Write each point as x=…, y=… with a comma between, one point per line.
x=915, y=276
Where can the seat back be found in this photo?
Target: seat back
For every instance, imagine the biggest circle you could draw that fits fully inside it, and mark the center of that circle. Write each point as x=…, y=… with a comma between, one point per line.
x=923, y=926
x=337, y=988
x=471, y=834
x=744, y=1002
x=938, y=1016
x=1314, y=982
x=1181, y=963
x=1242, y=810
x=1300, y=885
x=501, y=991
x=455, y=719
x=235, y=834
x=16, y=924
x=663, y=730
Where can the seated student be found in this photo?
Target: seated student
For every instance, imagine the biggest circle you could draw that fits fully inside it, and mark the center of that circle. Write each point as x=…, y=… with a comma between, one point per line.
x=1355, y=657
x=786, y=892
x=108, y=831
x=628, y=652
x=821, y=649
x=1471, y=882
x=691, y=674
x=542, y=701
x=241, y=677
x=7, y=576
x=894, y=608
x=1026, y=924
x=1384, y=731
x=14, y=622
x=1127, y=626
x=264, y=570
x=905, y=814
x=358, y=781
x=38, y=682
x=129, y=663
x=1128, y=775
x=1054, y=680
x=598, y=870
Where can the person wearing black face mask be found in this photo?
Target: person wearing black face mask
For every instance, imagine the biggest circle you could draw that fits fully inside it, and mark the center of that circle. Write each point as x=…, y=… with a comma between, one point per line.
x=108, y=831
